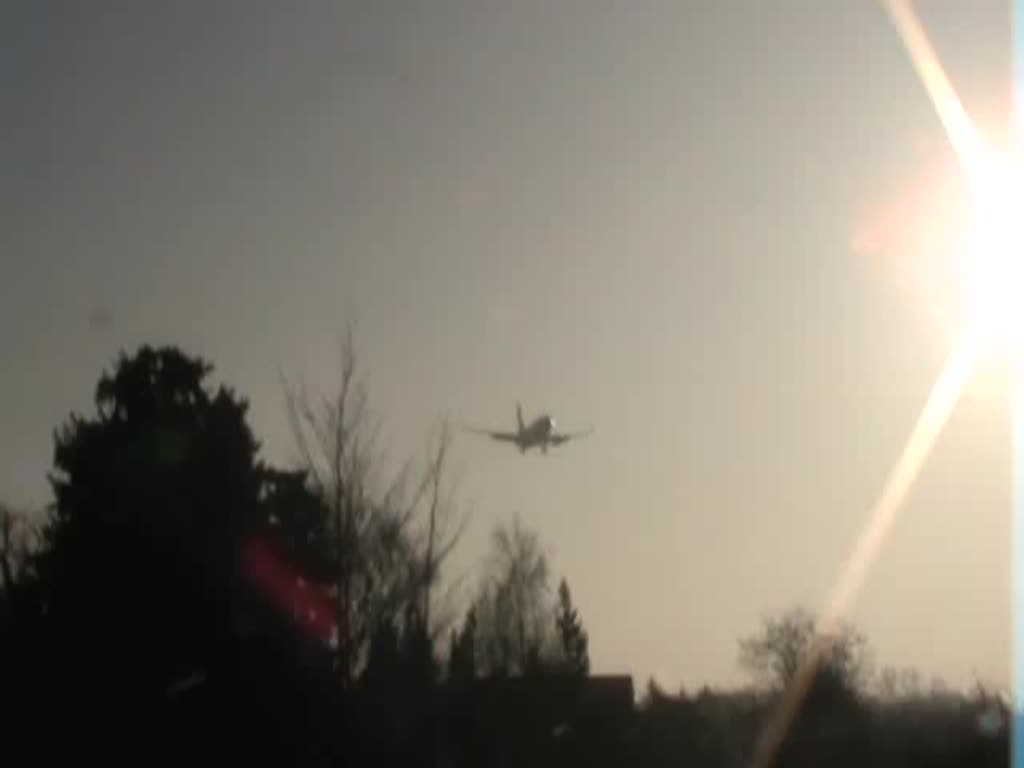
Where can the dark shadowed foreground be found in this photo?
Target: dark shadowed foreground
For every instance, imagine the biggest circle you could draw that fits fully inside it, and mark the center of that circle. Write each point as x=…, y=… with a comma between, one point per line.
x=182, y=602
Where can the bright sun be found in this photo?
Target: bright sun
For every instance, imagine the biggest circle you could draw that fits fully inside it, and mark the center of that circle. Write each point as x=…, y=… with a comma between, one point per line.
x=994, y=253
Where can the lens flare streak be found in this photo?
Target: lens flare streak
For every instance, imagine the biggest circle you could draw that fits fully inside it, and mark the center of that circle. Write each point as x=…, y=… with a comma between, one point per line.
x=943, y=397
x=976, y=160
x=959, y=127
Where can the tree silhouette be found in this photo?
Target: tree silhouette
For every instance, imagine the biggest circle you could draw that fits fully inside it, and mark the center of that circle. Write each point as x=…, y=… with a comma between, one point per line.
x=19, y=539
x=382, y=563
x=184, y=597
x=775, y=653
x=143, y=573
x=20, y=610
x=512, y=610
x=831, y=717
x=153, y=495
x=462, y=652
x=572, y=637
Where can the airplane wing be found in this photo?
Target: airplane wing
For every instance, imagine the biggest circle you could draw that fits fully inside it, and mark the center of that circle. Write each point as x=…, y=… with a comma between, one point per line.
x=564, y=437
x=510, y=437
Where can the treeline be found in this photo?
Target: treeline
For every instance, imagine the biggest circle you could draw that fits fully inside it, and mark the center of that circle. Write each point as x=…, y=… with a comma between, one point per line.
x=177, y=575
x=848, y=713
x=182, y=599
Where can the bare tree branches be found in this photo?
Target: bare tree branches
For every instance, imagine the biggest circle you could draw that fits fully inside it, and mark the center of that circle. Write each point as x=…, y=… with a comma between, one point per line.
x=19, y=538
x=444, y=529
x=775, y=653
x=390, y=538
x=512, y=610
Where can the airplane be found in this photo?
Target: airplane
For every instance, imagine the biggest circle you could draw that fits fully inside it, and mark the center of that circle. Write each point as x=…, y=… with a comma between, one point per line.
x=540, y=433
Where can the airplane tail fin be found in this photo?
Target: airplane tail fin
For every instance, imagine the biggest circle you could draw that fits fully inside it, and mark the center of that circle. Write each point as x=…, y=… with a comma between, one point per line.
x=519, y=417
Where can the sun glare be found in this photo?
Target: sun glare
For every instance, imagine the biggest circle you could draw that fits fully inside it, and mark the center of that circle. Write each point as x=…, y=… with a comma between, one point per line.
x=994, y=253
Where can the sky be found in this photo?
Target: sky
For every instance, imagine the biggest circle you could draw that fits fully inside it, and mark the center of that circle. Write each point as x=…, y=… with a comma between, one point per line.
x=713, y=231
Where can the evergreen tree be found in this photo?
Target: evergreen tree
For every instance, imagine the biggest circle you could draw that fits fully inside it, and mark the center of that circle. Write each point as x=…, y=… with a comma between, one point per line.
x=169, y=569
x=572, y=636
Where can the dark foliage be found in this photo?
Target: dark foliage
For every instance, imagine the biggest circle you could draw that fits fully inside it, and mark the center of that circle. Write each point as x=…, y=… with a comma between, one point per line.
x=462, y=654
x=572, y=637
x=186, y=603
x=139, y=586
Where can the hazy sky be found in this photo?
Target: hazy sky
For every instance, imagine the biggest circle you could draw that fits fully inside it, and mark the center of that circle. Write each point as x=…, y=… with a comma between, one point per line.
x=662, y=218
